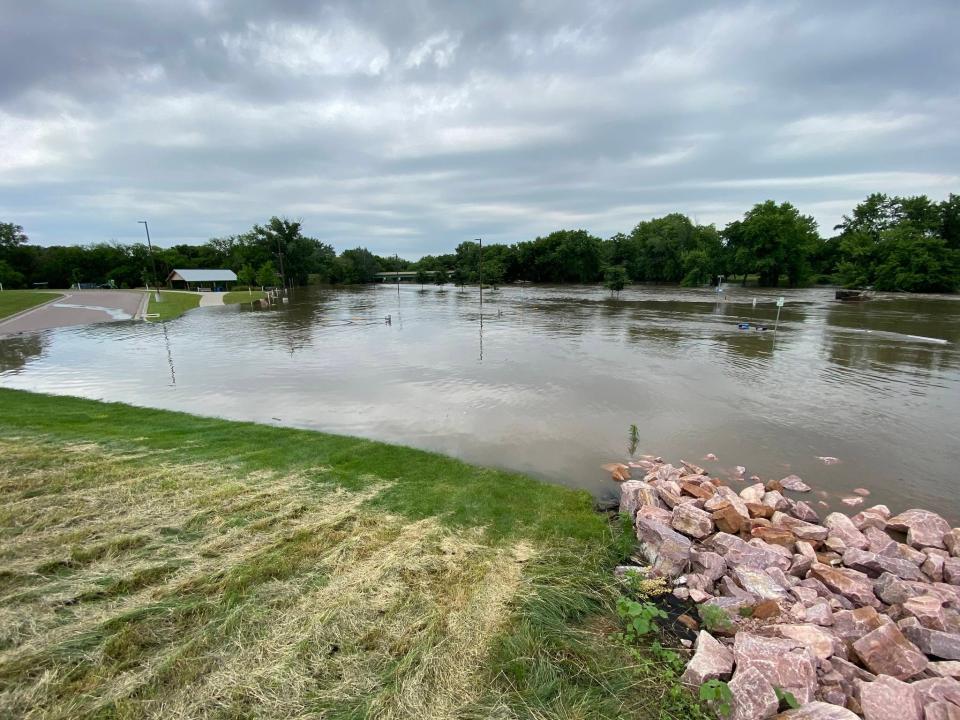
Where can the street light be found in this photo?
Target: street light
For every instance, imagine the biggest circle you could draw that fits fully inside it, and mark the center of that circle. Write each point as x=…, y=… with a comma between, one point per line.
x=480, y=270
x=153, y=264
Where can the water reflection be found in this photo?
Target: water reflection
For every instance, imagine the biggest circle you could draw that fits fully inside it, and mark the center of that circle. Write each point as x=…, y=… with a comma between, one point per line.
x=547, y=380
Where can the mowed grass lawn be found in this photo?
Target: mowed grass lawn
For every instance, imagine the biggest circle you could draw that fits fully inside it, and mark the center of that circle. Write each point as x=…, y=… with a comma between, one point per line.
x=14, y=301
x=172, y=304
x=243, y=296
x=156, y=564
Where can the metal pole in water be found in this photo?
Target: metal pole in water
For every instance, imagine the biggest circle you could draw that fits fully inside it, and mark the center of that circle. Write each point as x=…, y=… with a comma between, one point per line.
x=777, y=321
x=396, y=261
x=480, y=270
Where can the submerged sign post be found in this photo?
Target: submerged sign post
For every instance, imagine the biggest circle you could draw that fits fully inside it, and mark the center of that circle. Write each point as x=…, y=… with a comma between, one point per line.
x=779, y=305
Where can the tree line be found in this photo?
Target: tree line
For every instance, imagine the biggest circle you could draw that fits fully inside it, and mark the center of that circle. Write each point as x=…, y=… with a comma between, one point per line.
x=886, y=242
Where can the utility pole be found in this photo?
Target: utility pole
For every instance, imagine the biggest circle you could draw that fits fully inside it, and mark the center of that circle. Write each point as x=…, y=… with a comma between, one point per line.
x=283, y=276
x=396, y=264
x=480, y=269
x=153, y=264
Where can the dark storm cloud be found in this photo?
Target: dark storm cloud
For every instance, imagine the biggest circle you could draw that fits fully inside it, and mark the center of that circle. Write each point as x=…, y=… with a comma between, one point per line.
x=411, y=126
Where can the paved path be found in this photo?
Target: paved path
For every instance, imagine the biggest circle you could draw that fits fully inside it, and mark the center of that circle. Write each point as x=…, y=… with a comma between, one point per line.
x=78, y=307
x=211, y=298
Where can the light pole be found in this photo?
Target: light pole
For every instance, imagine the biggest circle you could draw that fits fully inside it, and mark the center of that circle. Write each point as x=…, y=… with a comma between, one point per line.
x=153, y=264
x=480, y=270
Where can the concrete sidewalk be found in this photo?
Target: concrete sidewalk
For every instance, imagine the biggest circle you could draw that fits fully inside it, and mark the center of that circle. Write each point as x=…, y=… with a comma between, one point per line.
x=77, y=307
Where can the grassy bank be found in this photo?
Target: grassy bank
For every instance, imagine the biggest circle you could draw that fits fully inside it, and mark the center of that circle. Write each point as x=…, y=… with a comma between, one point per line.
x=172, y=304
x=243, y=296
x=156, y=564
x=14, y=301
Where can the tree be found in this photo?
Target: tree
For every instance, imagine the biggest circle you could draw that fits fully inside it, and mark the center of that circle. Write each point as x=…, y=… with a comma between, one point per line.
x=423, y=277
x=615, y=278
x=773, y=240
x=459, y=276
x=357, y=266
x=247, y=275
x=12, y=236
x=267, y=275
x=440, y=277
x=492, y=273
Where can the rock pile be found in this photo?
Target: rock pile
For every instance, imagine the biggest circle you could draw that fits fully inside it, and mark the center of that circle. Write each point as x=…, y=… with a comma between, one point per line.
x=853, y=616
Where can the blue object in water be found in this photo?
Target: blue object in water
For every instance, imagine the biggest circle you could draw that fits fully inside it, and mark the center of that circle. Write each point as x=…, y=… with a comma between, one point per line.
x=744, y=326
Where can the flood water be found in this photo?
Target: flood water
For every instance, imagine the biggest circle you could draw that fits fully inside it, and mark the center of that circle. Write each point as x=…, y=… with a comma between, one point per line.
x=551, y=382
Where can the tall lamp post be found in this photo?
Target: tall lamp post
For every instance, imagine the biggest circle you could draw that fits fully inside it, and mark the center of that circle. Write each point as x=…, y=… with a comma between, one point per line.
x=480, y=270
x=153, y=264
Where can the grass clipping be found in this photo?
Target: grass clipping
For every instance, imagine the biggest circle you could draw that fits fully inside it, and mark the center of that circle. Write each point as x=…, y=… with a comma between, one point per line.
x=136, y=586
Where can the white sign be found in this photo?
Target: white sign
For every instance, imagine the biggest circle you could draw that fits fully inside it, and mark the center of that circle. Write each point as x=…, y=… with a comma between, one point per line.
x=780, y=301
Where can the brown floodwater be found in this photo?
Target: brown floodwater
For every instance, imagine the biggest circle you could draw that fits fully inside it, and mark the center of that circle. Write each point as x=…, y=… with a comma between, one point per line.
x=553, y=380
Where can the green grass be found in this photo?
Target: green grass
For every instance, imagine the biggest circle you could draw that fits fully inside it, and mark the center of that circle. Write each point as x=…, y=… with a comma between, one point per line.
x=243, y=296
x=172, y=304
x=14, y=301
x=162, y=564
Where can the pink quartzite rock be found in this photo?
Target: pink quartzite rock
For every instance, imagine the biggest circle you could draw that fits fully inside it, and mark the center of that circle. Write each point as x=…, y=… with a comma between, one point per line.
x=802, y=511
x=793, y=482
x=753, y=695
x=874, y=565
x=803, y=530
x=941, y=711
x=736, y=552
x=939, y=644
x=820, y=613
x=880, y=542
x=923, y=528
x=753, y=493
x=933, y=567
x=708, y=564
x=886, y=651
x=945, y=668
x=776, y=500
x=952, y=541
x=854, y=624
x=759, y=583
x=888, y=698
x=928, y=610
x=869, y=518
x=691, y=521
x=819, y=641
x=711, y=660
x=817, y=711
x=840, y=526
x=853, y=585
x=951, y=570
x=652, y=512
x=634, y=493
x=892, y=590
x=665, y=549
x=938, y=690
x=784, y=663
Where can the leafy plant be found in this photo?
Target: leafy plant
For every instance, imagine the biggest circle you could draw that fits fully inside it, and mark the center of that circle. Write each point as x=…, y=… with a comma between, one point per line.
x=785, y=696
x=714, y=618
x=746, y=611
x=634, y=439
x=640, y=618
x=717, y=693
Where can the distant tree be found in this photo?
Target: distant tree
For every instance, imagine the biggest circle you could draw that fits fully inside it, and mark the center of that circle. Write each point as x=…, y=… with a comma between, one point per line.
x=459, y=276
x=267, y=275
x=773, y=240
x=492, y=273
x=615, y=278
x=423, y=277
x=358, y=266
x=440, y=277
x=12, y=236
x=247, y=275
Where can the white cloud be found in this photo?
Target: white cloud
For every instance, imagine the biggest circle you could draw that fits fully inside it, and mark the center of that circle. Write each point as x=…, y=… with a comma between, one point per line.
x=438, y=49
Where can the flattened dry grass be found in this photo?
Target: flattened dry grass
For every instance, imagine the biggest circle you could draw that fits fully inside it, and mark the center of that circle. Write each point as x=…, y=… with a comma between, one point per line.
x=140, y=580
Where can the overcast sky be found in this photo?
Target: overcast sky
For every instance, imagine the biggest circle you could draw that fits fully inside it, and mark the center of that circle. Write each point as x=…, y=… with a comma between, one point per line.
x=411, y=126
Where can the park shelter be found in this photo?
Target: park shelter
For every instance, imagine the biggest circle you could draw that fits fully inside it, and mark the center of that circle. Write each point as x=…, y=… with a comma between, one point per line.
x=201, y=279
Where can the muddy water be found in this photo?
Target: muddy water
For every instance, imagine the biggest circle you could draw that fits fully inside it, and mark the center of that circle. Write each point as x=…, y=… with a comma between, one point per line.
x=554, y=378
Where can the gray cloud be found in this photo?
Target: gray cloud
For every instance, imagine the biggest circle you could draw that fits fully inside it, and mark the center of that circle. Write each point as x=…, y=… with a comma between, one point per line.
x=410, y=126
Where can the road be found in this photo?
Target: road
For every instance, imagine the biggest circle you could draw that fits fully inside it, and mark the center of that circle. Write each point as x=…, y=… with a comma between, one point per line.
x=77, y=307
